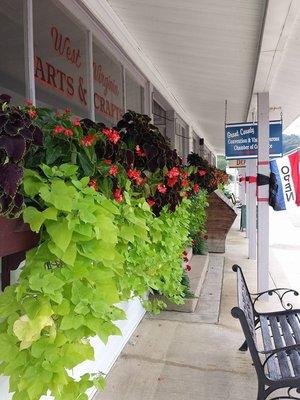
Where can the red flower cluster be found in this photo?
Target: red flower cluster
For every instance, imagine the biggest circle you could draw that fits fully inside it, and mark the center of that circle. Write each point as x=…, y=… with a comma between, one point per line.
x=88, y=140
x=173, y=176
x=107, y=162
x=151, y=202
x=60, y=129
x=135, y=175
x=68, y=132
x=188, y=267
x=196, y=188
x=76, y=122
x=184, y=183
x=185, y=253
x=172, y=181
x=118, y=196
x=202, y=172
x=32, y=114
x=161, y=188
x=139, y=152
x=112, y=135
x=93, y=184
x=173, y=173
x=113, y=170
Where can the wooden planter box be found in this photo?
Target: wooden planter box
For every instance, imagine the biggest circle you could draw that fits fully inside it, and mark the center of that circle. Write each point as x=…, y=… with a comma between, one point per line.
x=15, y=239
x=221, y=214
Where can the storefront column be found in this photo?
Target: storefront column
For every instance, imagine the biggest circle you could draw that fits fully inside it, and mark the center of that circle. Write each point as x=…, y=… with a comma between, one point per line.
x=247, y=197
x=263, y=168
x=90, y=75
x=29, y=51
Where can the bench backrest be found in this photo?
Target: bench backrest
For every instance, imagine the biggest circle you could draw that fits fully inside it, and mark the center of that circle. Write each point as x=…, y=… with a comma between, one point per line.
x=245, y=313
x=245, y=302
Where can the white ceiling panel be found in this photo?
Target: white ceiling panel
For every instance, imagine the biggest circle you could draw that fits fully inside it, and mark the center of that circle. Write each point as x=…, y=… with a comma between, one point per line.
x=206, y=51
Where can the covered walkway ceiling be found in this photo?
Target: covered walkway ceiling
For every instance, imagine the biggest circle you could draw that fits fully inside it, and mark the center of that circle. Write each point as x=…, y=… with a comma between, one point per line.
x=198, y=53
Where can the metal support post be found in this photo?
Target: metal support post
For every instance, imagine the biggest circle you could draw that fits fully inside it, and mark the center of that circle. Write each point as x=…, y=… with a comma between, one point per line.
x=251, y=207
x=263, y=168
x=247, y=197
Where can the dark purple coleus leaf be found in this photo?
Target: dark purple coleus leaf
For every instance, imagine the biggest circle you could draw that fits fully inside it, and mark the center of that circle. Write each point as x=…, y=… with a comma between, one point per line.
x=38, y=137
x=14, y=146
x=5, y=98
x=10, y=128
x=5, y=203
x=10, y=178
x=19, y=200
x=26, y=133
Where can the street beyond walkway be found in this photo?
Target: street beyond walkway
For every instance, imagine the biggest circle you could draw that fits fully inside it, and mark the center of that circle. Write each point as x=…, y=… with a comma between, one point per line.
x=173, y=360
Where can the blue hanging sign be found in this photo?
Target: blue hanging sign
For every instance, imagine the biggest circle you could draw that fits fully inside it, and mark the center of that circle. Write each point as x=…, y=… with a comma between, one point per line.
x=241, y=140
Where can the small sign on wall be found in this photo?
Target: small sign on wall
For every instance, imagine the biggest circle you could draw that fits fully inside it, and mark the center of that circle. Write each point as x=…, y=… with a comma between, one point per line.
x=241, y=140
x=239, y=163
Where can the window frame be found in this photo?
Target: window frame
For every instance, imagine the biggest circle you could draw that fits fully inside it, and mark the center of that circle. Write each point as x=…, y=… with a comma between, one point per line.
x=92, y=30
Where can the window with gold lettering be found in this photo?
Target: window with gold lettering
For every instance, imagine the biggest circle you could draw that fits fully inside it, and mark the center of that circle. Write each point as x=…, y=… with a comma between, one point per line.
x=12, y=64
x=60, y=58
x=108, y=86
x=134, y=94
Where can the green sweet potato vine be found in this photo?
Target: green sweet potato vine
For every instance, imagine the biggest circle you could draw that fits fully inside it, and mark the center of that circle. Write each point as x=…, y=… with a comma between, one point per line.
x=93, y=254
x=114, y=210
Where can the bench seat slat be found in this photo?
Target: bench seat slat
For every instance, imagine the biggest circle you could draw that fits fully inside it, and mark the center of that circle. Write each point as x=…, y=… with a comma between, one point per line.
x=272, y=366
x=294, y=322
x=289, y=340
x=282, y=357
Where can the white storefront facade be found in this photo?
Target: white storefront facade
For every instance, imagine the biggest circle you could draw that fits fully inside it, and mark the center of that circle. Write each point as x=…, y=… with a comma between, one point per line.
x=58, y=54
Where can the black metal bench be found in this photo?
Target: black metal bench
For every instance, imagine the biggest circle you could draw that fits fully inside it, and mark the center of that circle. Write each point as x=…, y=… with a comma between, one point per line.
x=277, y=364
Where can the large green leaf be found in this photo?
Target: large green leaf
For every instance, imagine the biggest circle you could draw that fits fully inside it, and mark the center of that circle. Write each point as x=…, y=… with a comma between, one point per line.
x=59, y=233
x=36, y=218
x=60, y=195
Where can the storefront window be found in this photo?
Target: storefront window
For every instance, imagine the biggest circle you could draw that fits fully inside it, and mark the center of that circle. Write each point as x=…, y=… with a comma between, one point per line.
x=12, y=65
x=60, y=58
x=134, y=94
x=181, y=139
x=108, y=86
x=160, y=117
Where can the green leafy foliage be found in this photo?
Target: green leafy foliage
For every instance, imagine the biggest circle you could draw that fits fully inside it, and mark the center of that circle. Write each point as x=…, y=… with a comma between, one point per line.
x=114, y=208
x=93, y=253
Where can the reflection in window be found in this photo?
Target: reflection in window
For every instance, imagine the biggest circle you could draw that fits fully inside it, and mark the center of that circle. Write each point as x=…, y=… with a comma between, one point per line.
x=160, y=117
x=12, y=70
x=60, y=58
x=134, y=95
x=181, y=139
x=108, y=86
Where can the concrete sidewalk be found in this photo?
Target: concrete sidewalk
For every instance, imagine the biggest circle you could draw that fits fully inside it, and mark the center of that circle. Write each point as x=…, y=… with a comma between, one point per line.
x=176, y=360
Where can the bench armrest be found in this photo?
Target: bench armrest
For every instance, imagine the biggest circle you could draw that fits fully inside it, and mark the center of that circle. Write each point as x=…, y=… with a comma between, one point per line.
x=280, y=292
x=271, y=353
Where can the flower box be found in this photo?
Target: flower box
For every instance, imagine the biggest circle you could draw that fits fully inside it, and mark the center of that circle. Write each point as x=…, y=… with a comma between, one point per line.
x=15, y=238
x=221, y=214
